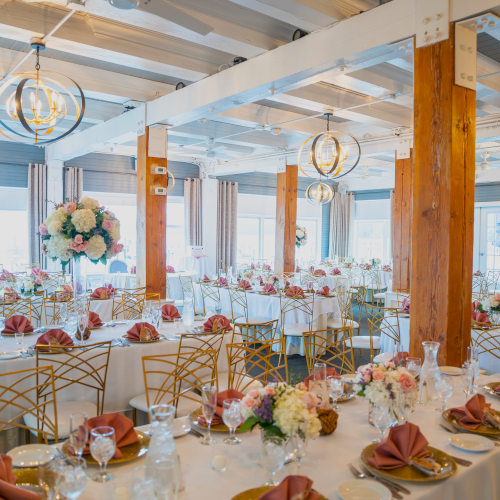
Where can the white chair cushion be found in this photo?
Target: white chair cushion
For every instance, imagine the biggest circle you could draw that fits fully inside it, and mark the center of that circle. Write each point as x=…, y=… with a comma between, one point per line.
x=384, y=357
x=337, y=323
x=252, y=320
x=252, y=384
x=178, y=303
x=379, y=295
x=64, y=410
x=199, y=311
x=363, y=342
x=167, y=301
x=185, y=407
x=296, y=329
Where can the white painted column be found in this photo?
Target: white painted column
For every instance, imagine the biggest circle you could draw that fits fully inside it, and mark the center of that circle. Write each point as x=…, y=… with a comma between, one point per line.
x=54, y=194
x=209, y=220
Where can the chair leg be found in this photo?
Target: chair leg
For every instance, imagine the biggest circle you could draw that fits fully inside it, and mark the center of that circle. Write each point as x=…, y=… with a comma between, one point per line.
x=27, y=436
x=134, y=416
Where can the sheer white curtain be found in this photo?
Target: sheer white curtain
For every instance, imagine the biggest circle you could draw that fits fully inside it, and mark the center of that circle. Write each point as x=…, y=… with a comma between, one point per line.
x=37, y=211
x=391, y=225
x=192, y=212
x=73, y=183
x=341, y=224
x=227, y=218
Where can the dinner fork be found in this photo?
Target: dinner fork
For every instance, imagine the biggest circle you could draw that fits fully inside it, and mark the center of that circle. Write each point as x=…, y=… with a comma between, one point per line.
x=396, y=486
x=360, y=475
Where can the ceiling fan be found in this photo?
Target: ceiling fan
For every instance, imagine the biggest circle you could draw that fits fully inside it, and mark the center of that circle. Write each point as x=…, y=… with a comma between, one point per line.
x=165, y=10
x=213, y=152
x=366, y=175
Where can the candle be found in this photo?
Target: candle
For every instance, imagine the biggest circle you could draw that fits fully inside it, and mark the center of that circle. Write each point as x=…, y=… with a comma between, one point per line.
x=219, y=462
x=121, y=493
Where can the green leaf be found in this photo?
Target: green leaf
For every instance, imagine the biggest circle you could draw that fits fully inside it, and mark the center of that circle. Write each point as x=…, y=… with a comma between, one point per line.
x=249, y=424
x=103, y=259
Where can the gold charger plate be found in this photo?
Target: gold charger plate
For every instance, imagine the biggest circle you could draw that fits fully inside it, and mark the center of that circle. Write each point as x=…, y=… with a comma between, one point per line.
x=160, y=337
x=193, y=420
x=129, y=452
x=26, y=476
x=255, y=493
x=409, y=472
x=13, y=334
x=482, y=429
x=490, y=388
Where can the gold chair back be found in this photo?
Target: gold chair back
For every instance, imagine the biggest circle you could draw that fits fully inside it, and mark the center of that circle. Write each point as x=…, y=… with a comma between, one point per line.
x=297, y=304
x=117, y=306
x=382, y=321
x=13, y=308
x=190, y=341
x=52, y=308
x=401, y=295
x=51, y=282
x=72, y=366
x=491, y=281
x=248, y=363
x=485, y=337
x=210, y=292
x=19, y=395
x=187, y=289
x=33, y=265
x=358, y=294
x=334, y=348
x=132, y=304
x=478, y=284
x=256, y=334
x=308, y=277
x=130, y=281
x=238, y=298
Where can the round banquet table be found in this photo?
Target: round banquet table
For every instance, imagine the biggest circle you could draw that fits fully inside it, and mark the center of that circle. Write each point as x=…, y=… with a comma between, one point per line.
x=268, y=306
x=325, y=462
x=119, y=280
x=104, y=308
x=125, y=378
x=199, y=265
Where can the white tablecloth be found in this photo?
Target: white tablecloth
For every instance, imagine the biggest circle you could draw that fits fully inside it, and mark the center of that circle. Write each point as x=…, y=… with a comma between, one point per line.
x=125, y=378
x=175, y=283
x=199, y=265
x=387, y=343
x=119, y=280
x=325, y=461
x=104, y=308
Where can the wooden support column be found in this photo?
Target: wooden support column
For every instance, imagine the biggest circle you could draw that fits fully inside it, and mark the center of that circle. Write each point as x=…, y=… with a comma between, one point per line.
x=286, y=219
x=401, y=250
x=151, y=221
x=443, y=205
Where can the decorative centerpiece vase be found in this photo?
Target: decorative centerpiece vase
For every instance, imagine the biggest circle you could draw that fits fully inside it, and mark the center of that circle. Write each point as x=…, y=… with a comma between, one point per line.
x=429, y=374
x=79, y=282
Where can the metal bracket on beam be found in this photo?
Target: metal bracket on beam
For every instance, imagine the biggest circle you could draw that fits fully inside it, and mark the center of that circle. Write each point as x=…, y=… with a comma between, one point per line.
x=403, y=149
x=466, y=55
x=432, y=22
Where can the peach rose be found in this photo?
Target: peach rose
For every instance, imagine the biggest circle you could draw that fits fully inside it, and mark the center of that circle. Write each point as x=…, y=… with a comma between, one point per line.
x=73, y=245
x=253, y=393
x=367, y=377
x=79, y=239
x=408, y=384
x=69, y=208
x=247, y=402
x=377, y=374
x=43, y=229
x=310, y=400
x=116, y=248
x=107, y=224
x=389, y=364
x=269, y=390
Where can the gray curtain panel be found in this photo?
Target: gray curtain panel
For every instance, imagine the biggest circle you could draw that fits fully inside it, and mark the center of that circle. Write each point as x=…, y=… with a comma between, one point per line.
x=73, y=183
x=227, y=218
x=342, y=225
x=37, y=210
x=192, y=211
x=391, y=225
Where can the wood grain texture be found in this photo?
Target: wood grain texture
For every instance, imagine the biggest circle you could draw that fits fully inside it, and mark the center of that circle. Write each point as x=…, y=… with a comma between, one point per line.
x=443, y=205
x=286, y=219
x=151, y=222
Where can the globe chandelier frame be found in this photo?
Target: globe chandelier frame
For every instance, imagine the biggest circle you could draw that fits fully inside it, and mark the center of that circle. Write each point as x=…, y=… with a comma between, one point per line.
x=315, y=193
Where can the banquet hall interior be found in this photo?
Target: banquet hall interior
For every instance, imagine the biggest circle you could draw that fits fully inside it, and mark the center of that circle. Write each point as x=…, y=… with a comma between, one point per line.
x=248, y=249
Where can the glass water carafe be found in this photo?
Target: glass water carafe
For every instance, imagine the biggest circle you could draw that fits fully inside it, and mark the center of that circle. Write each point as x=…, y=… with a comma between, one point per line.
x=188, y=311
x=429, y=374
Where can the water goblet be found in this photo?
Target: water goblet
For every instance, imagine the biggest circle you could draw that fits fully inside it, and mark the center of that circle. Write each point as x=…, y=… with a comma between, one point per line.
x=272, y=458
x=47, y=476
x=78, y=432
x=63, y=313
x=383, y=418
x=208, y=405
x=467, y=378
x=414, y=365
x=102, y=449
x=444, y=388
x=231, y=416
x=405, y=405
x=218, y=308
x=319, y=371
x=71, y=477
x=472, y=354
x=335, y=389
x=72, y=325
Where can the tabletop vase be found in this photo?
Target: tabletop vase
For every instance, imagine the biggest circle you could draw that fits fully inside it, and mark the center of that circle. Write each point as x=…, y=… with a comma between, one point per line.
x=79, y=284
x=429, y=374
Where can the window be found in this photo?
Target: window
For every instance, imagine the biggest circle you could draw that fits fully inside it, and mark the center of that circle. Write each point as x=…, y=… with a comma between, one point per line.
x=175, y=230
x=14, y=228
x=308, y=252
x=372, y=239
x=248, y=249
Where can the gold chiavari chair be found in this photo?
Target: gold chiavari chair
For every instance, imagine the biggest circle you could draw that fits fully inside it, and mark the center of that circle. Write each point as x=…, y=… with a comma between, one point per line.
x=256, y=334
x=346, y=319
x=132, y=304
x=401, y=295
x=117, y=306
x=176, y=379
x=336, y=351
x=251, y=367
x=188, y=291
x=210, y=293
x=308, y=277
x=190, y=341
x=78, y=372
x=486, y=338
x=52, y=307
x=238, y=298
x=478, y=285
x=375, y=286
x=18, y=400
x=358, y=294
x=381, y=321
x=51, y=282
x=17, y=307
x=295, y=306
x=491, y=281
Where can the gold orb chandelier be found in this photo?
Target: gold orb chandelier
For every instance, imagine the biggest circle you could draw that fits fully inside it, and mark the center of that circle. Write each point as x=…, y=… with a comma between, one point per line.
x=319, y=194
x=326, y=154
x=36, y=122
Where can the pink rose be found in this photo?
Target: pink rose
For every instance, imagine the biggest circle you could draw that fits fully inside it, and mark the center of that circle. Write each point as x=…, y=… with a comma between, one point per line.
x=73, y=245
x=269, y=390
x=107, y=224
x=389, y=364
x=408, y=384
x=81, y=248
x=38, y=281
x=69, y=208
x=116, y=247
x=79, y=239
x=254, y=394
x=310, y=400
x=43, y=229
x=367, y=377
x=247, y=402
x=377, y=374
x=43, y=250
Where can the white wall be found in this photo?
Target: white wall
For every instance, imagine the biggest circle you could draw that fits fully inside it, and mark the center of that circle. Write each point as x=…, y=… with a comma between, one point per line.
x=14, y=198
x=373, y=209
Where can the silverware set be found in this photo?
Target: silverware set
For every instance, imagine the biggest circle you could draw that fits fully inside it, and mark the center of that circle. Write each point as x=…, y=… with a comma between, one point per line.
x=452, y=430
x=119, y=343
x=394, y=488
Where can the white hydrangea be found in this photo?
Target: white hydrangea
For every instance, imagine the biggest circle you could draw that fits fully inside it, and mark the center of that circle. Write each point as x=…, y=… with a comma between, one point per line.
x=54, y=227
x=58, y=247
x=96, y=247
x=83, y=220
x=299, y=233
x=57, y=215
x=109, y=215
x=89, y=203
x=115, y=232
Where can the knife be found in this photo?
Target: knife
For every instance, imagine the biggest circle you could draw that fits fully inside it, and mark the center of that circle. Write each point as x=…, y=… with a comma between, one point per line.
x=396, y=486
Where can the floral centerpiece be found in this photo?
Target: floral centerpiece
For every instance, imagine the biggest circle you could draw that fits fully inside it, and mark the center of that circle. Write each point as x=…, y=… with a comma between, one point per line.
x=300, y=236
x=274, y=279
x=297, y=269
x=366, y=266
x=347, y=265
x=387, y=268
x=266, y=267
x=247, y=275
x=8, y=293
x=63, y=291
x=31, y=284
x=81, y=228
x=491, y=305
x=478, y=273
x=6, y=276
x=282, y=411
x=376, y=262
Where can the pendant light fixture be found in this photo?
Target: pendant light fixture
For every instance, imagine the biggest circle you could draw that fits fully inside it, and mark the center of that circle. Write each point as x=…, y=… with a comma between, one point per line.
x=319, y=193
x=39, y=104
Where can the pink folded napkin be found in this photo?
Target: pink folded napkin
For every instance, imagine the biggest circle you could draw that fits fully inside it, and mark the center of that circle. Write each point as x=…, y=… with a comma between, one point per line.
x=287, y=284
x=135, y=332
x=222, y=281
x=311, y=269
x=319, y=272
x=400, y=356
x=261, y=281
x=244, y=284
x=102, y=293
x=292, y=488
x=471, y=415
x=170, y=269
x=221, y=396
x=94, y=320
x=17, y=324
x=405, y=307
x=479, y=316
x=402, y=444
x=8, y=490
x=324, y=291
x=330, y=372
x=295, y=291
x=335, y=271
x=269, y=289
x=169, y=312
x=223, y=322
x=55, y=337
x=206, y=278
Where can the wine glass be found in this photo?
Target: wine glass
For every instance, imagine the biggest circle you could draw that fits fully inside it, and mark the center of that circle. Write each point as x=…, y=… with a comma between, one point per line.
x=83, y=321
x=78, y=432
x=383, y=418
x=231, y=416
x=473, y=358
x=208, y=405
x=218, y=308
x=414, y=365
x=63, y=313
x=444, y=388
x=335, y=389
x=102, y=449
x=319, y=371
x=467, y=378
x=272, y=458
x=299, y=449
x=71, y=477
x=405, y=405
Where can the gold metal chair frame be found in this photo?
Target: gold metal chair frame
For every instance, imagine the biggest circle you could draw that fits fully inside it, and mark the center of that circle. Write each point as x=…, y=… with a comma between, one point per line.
x=289, y=304
x=17, y=396
x=307, y=277
x=72, y=366
x=257, y=333
x=238, y=296
x=133, y=303
x=378, y=324
x=243, y=357
x=117, y=306
x=334, y=348
x=209, y=290
x=358, y=294
x=492, y=278
x=486, y=340
x=51, y=283
x=51, y=309
x=376, y=285
x=401, y=295
x=211, y=341
x=22, y=307
x=188, y=289
x=130, y=281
